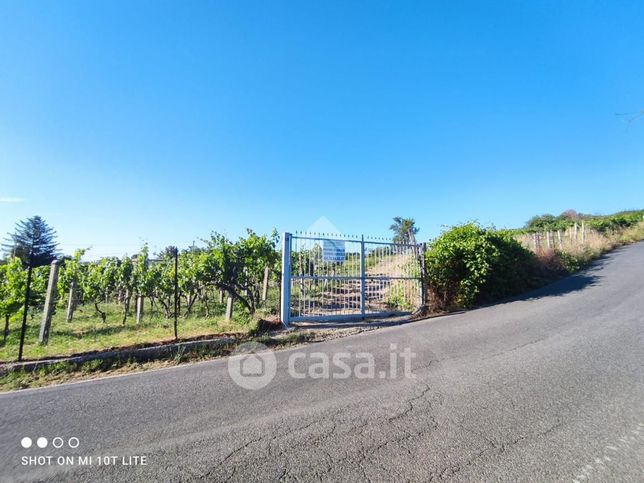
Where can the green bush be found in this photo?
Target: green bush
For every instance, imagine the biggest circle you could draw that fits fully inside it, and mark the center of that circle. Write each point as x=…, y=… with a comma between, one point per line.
x=601, y=223
x=398, y=298
x=616, y=222
x=570, y=262
x=469, y=264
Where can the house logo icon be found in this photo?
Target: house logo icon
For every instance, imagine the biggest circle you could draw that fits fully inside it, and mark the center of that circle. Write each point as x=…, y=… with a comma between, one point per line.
x=252, y=365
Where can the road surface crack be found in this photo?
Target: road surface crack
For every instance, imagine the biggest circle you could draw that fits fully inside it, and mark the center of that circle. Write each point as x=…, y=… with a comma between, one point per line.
x=410, y=405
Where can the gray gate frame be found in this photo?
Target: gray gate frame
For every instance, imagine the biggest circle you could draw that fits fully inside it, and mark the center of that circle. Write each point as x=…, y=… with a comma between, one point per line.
x=285, y=296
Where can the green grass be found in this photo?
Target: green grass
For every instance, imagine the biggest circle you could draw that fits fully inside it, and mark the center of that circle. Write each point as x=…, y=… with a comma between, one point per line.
x=88, y=333
x=62, y=372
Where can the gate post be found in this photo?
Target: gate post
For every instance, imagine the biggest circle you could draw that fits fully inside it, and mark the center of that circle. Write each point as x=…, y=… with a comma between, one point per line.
x=286, y=279
x=363, y=278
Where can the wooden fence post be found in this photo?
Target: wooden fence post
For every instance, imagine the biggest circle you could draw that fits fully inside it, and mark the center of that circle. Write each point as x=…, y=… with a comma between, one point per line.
x=265, y=285
x=23, y=327
x=139, y=308
x=50, y=303
x=229, y=309
x=559, y=239
x=176, y=292
x=71, y=303
x=583, y=232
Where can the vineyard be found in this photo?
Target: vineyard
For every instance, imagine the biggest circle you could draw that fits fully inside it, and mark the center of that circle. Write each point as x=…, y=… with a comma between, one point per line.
x=566, y=244
x=222, y=286
x=571, y=220
x=468, y=265
x=226, y=286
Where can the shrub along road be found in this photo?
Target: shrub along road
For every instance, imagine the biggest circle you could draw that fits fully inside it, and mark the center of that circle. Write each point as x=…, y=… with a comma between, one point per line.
x=547, y=387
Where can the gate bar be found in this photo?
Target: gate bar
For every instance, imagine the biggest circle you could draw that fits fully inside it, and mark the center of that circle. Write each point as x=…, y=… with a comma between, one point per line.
x=363, y=281
x=286, y=279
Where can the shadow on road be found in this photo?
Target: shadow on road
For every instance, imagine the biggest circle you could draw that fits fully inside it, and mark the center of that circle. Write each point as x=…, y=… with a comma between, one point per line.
x=571, y=283
x=584, y=279
x=374, y=322
x=346, y=324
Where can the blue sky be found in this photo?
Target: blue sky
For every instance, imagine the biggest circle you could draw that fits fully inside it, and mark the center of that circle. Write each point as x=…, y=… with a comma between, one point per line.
x=124, y=122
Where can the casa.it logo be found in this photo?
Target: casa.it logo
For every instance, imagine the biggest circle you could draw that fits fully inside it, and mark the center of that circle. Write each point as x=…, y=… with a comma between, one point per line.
x=252, y=365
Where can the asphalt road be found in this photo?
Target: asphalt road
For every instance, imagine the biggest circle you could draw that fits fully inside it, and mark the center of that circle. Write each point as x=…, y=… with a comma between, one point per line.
x=546, y=388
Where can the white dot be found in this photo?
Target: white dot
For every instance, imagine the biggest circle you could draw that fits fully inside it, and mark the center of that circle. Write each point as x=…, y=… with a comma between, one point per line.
x=41, y=442
x=25, y=442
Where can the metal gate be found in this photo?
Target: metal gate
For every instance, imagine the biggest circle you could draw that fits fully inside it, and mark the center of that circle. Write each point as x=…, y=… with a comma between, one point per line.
x=348, y=277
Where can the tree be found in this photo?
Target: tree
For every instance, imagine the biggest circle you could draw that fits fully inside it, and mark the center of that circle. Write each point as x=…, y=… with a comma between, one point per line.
x=34, y=242
x=191, y=279
x=404, y=230
x=238, y=268
x=140, y=272
x=69, y=280
x=542, y=222
x=142, y=281
x=125, y=284
x=13, y=279
x=569, y=214
x=97, y=280
x=161, y=278
x=166, y=254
